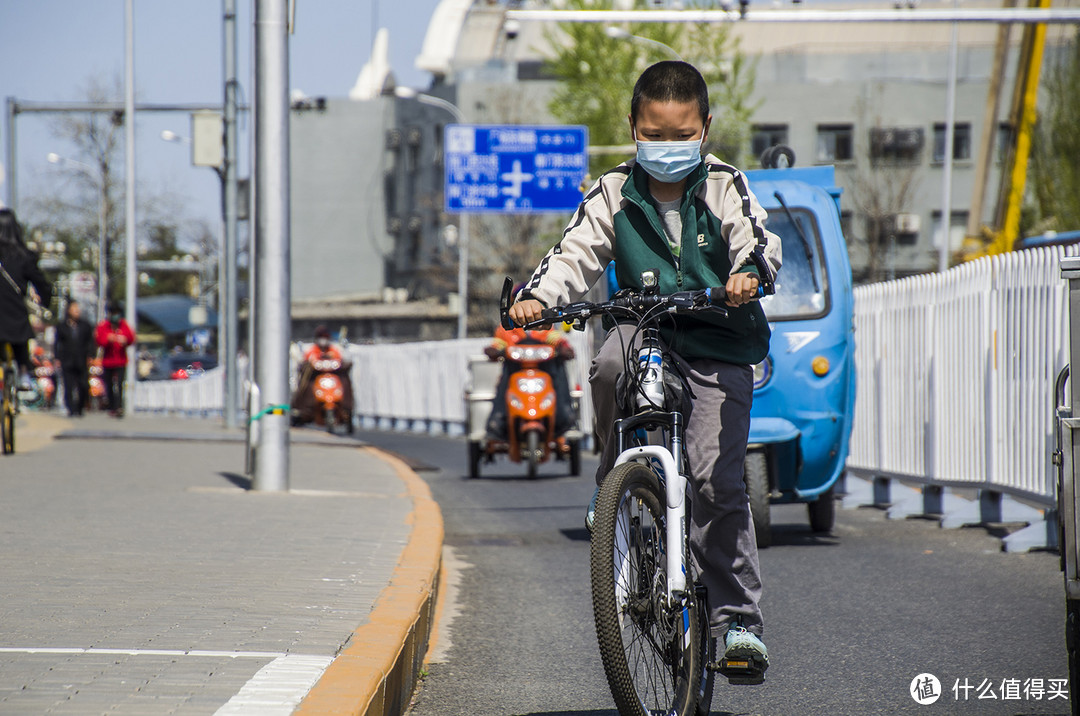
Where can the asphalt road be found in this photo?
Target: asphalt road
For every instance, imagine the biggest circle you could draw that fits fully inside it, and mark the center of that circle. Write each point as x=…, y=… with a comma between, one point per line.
x=851, y=618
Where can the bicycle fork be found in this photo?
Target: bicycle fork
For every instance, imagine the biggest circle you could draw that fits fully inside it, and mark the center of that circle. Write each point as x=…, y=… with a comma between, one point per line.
x=675, y=485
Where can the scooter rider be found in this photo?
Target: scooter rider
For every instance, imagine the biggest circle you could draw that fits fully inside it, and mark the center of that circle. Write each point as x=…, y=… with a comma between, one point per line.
x=556, y=368
x=695, y=221
x=303, y=404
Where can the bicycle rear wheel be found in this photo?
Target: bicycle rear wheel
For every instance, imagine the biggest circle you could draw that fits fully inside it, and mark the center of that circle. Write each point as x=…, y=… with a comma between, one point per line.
x=653, y=653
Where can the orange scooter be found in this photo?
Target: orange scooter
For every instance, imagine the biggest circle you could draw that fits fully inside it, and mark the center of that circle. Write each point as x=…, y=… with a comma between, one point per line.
x=530, y=413
x=530, y=406
x=330, y=395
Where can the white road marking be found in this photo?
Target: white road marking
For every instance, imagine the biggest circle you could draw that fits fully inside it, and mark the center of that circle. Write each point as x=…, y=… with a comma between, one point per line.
x=454, y=566
x=278, y=687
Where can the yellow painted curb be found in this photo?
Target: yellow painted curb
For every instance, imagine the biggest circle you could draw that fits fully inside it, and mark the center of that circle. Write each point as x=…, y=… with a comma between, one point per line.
x=376, y=672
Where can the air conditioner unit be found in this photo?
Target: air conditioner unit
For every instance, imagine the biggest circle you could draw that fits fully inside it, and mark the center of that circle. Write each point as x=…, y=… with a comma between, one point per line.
x=908, y=223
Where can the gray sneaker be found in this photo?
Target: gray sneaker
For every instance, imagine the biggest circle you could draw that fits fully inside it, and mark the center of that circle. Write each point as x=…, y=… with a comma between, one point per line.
x=745, y=657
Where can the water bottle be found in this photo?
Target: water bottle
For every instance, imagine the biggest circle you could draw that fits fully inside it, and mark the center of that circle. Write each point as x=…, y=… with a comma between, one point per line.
x=651, y=377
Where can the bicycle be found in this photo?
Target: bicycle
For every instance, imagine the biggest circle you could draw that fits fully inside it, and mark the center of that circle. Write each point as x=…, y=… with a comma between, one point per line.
x=649, y=609
x=9, y=400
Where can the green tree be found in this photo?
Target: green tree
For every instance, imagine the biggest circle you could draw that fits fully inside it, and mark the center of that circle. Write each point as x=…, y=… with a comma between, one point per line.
x=597, y=74
x=1055, y=173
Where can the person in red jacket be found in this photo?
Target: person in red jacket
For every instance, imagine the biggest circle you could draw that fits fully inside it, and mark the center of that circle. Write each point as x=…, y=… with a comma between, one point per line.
x=114, y=335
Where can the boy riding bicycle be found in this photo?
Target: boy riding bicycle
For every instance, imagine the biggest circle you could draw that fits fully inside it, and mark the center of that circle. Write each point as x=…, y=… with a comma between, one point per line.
x=697, y=223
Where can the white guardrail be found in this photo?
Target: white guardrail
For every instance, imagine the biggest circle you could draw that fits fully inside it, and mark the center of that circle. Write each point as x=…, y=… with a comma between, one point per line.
x=955, y=377
x=412, y=386
x=956, y=374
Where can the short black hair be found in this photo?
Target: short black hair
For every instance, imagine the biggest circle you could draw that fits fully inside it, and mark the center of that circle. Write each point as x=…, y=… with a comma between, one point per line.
x=671, y=81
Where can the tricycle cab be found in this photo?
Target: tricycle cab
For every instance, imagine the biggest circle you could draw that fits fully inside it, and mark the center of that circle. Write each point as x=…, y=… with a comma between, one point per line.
x=804, y=392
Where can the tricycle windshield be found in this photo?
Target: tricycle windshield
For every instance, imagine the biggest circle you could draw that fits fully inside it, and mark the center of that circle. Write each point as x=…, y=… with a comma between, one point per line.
x=802, y=289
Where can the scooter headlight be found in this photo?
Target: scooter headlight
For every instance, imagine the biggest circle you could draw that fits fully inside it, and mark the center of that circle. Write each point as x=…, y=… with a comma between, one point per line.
x=530, y=385
x=548, y=401
x=762, y=373
x=530, y=353
x=516, y=403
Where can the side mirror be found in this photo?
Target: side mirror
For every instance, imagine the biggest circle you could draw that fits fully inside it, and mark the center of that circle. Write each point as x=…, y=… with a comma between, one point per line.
x=504, y=304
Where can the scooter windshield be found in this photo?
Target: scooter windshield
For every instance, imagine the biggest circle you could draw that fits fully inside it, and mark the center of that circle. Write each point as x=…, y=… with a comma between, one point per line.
x=802, y=289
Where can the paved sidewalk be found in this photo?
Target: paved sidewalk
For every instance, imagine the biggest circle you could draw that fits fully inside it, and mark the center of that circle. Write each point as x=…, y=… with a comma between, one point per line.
x=138, y=575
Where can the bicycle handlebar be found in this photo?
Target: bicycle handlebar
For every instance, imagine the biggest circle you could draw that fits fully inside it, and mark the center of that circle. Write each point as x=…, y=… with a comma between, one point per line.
x=627, y=301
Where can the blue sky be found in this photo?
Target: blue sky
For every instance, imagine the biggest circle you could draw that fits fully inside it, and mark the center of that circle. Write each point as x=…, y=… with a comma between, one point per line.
x=50, y=49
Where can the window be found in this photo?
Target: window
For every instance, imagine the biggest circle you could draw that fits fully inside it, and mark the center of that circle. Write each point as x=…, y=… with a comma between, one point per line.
x=961, y=148
x=957, y=229
x=767, y=135
x=896, y=144
x=802, y=288
x=835, y=143
x=1004, y=141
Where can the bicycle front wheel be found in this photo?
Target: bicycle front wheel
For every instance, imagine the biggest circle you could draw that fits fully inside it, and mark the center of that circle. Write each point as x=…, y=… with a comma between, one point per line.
x=651, y=650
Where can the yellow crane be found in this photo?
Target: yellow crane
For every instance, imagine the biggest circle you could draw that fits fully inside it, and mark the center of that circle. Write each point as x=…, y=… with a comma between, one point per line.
x=999, y=238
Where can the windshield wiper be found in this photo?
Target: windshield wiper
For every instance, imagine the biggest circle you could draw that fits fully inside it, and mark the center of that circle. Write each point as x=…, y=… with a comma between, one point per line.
x=802, y=235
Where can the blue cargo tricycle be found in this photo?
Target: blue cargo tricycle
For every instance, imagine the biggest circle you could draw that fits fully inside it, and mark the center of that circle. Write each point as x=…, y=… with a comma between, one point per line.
x=804, y=392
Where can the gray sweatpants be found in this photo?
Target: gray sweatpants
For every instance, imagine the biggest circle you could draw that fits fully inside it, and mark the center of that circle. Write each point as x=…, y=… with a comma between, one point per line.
x=722, y=541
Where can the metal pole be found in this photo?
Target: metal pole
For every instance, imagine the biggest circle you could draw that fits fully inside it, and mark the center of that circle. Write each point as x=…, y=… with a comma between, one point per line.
x=946, y=180
x=103, y=248
x=272, y=230
x=129, y=153
x=463, y=222
x=229, y=330
x=463, y=276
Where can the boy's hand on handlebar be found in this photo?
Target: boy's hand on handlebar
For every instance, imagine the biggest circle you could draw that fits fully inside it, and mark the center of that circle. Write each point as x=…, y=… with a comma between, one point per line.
x=526, y=311
x=741, y=288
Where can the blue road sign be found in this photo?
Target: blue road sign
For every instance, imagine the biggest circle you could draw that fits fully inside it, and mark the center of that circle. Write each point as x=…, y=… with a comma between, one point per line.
x=514, y=169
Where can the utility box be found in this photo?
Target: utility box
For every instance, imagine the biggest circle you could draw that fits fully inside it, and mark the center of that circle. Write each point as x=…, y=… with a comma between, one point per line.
x=207, y=139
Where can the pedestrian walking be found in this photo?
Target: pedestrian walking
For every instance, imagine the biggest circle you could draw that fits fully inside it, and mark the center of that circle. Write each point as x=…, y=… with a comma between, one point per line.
x=74, y=347
x=114, y=335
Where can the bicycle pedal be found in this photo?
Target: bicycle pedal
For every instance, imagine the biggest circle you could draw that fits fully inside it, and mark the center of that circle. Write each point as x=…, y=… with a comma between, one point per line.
x=739, y=670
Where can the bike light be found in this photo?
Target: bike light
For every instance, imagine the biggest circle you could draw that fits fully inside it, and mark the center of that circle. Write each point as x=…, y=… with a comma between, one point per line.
x=547, y=402
x=530, y=385
x=820, y=366
x=762, y=373
x=516, y=402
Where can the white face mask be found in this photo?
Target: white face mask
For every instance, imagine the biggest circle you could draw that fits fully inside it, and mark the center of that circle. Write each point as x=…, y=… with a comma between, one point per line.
x=669, y=162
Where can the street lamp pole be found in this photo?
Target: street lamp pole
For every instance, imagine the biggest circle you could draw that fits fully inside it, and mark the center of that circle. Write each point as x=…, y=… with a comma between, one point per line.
x=102, y=271
x=230, y=300
x=463, y=219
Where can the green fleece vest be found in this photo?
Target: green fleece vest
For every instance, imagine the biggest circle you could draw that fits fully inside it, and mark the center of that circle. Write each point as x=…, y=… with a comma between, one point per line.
x=641, y=244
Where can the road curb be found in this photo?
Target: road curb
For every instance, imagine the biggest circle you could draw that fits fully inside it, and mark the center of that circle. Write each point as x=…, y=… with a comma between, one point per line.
x=377, y=670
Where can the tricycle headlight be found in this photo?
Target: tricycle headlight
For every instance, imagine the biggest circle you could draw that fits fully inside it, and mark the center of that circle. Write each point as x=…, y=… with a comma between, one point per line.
x=762, y=373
